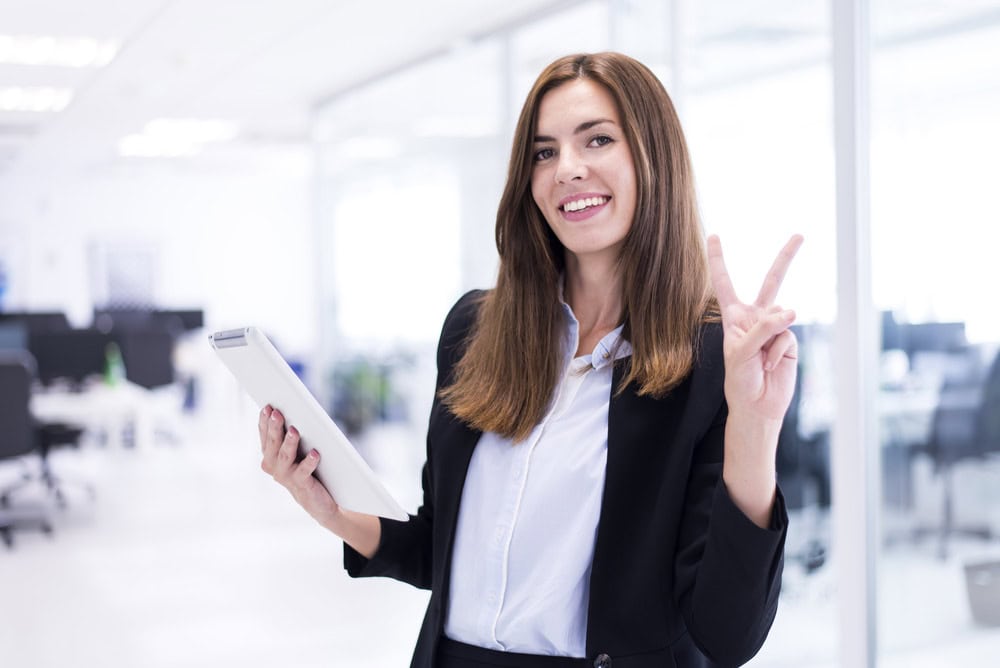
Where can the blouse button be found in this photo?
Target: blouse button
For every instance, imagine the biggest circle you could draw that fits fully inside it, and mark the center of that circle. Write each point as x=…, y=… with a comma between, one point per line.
x=602, y=661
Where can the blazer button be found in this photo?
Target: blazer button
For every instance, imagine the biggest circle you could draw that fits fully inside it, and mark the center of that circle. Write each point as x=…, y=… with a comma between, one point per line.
x=602, y=661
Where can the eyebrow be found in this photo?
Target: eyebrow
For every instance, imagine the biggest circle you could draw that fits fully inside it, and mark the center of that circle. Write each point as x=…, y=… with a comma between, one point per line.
x=582, y=127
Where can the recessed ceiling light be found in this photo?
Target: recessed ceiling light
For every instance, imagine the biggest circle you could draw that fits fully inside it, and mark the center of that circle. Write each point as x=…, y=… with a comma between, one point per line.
x=176, y=137
x=56, y=51
x=34, y=98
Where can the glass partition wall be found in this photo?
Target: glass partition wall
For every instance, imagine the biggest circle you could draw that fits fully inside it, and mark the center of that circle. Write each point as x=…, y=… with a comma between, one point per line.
x=935, y=140
x=411, y=166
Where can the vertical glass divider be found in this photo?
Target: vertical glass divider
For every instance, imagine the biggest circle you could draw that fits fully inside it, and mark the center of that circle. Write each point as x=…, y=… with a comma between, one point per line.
x=855, y=452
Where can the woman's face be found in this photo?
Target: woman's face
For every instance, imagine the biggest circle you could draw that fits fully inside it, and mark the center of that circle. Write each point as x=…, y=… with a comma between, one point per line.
x=583, y=179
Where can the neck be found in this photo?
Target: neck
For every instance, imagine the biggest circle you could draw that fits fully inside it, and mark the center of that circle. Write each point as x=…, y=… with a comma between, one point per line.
x=594, y=291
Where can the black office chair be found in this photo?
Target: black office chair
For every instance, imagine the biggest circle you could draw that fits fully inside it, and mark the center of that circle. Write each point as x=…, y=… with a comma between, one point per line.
x=17, y=438
x=148, y=355
x=803, y=471
x=73, y=355
x=965, y=426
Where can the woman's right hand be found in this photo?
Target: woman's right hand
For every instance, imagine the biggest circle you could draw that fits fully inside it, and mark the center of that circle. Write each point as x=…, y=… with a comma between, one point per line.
x=280, y=448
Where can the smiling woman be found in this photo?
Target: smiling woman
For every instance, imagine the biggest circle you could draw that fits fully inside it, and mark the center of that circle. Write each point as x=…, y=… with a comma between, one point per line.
x=580, y=143
x=600, y=465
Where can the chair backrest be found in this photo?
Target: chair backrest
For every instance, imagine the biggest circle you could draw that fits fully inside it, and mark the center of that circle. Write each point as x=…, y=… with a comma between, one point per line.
x=16, y=426
x=988, y=419
x=149, y=357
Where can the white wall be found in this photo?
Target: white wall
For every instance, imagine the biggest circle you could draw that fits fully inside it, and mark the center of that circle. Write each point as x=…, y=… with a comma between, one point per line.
x=233, y=231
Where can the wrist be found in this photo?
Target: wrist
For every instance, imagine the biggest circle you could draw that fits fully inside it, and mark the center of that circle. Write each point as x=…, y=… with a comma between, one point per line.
x=748, y=468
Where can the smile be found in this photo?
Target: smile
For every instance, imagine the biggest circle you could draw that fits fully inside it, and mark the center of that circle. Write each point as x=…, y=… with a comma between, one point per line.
x=584, y=203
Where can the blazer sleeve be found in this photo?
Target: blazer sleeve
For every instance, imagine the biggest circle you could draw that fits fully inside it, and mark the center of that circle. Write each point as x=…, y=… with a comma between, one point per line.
x=727, y=569
x=405, y=550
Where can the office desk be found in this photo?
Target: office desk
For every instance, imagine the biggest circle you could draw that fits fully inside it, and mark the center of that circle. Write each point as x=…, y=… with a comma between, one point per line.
x=905, y=415
x=121, y=412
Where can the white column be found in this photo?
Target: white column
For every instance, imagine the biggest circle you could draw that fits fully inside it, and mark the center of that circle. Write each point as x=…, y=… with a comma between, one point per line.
x=855, y=452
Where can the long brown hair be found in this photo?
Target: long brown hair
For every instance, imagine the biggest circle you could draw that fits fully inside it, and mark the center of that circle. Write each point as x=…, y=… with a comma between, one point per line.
x=509, y=371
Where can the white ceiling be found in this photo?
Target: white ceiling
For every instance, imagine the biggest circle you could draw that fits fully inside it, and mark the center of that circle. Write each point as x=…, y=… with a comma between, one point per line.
x=261, y=63
x=266, y=63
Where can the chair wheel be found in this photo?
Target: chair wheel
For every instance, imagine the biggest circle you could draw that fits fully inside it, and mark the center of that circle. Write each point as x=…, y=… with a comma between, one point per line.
x=814, y=557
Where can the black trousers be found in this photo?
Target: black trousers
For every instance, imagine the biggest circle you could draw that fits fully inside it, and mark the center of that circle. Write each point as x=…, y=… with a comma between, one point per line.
x=453, y=654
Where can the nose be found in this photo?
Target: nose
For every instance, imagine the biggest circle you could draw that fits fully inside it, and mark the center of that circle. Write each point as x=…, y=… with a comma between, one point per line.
x=571, y=166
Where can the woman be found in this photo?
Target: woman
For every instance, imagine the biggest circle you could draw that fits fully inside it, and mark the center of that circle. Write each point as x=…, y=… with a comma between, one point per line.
x=599, y=487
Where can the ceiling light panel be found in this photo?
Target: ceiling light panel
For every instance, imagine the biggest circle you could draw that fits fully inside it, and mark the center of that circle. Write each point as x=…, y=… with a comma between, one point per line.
x=34, y=98
x=56, y=51
x=176, y=137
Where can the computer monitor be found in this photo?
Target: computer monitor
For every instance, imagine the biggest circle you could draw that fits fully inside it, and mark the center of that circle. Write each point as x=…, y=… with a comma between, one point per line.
x=73, y=355
x=13, y=336
x=37, y=321
x=119, y=319
x=176, y=321
x=181, y=320
x=942, y=337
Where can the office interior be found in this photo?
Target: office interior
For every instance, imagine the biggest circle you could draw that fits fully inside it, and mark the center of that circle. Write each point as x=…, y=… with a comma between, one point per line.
x=329, y=173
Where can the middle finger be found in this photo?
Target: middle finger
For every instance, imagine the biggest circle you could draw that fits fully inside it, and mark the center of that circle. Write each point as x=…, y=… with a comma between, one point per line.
x=772, y=282
x=275, y=434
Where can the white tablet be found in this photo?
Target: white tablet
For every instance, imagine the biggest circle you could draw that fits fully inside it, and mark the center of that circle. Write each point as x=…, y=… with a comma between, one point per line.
x=268, y=379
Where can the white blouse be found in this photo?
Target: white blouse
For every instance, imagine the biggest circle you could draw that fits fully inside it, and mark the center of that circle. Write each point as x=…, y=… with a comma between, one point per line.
x=527, y=522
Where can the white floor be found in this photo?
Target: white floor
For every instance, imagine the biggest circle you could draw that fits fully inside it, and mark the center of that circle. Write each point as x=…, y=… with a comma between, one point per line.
x=190, y=556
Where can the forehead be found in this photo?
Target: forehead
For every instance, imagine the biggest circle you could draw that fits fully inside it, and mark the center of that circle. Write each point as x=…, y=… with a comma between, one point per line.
x=575, y=102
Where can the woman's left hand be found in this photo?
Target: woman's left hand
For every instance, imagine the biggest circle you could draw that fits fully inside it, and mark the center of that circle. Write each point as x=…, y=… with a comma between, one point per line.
x=760, y=351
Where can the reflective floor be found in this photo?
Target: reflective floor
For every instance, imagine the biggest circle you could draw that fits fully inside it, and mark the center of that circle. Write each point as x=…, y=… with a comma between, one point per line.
x=190, y=556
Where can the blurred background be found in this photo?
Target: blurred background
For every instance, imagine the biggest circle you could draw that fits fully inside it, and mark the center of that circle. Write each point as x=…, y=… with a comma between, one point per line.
x=329, y=172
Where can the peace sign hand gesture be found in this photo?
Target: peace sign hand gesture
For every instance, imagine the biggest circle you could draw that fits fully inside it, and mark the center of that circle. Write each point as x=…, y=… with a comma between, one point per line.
x=759, y=350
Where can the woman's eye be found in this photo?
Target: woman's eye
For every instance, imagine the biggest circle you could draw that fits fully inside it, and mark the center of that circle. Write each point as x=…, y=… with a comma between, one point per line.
x=543, y=154
x=601, y=140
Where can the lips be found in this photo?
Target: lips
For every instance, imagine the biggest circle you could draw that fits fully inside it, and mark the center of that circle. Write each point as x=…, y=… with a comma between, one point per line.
x=580, y=206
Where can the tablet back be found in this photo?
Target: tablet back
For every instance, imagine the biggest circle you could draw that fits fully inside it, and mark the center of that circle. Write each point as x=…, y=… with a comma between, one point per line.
x=268, y=379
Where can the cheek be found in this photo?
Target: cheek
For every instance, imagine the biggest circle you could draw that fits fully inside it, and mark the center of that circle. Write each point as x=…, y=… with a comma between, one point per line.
x=538, y=197
x=632, y=188
x=536, y=190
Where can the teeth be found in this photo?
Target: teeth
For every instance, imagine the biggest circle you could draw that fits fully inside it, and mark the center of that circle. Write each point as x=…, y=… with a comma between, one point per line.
x=584, y=203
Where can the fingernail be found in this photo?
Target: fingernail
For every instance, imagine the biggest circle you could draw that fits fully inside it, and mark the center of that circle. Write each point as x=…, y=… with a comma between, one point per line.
x=293, y=431
x=313, y=454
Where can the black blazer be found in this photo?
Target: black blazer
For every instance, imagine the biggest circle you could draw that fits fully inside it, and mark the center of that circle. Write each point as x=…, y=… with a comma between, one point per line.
x=680, y=576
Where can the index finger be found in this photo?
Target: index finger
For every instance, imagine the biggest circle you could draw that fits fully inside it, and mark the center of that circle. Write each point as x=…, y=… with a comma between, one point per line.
x=724, y=290
x=772, y=282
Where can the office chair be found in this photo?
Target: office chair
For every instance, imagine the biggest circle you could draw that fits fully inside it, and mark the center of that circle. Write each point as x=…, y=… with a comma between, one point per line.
x=148, y=355
x=965, y=426
x=67, y=354
x=17, y=438
x=803, y=472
